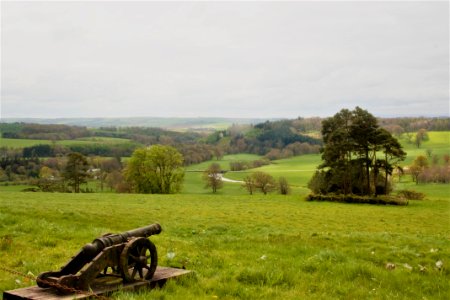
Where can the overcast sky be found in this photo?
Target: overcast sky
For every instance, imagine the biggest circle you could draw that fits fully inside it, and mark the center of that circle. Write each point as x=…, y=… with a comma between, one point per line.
x=227, y=59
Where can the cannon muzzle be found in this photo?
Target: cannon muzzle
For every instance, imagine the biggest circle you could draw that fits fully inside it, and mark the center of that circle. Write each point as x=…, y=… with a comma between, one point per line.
x=94, y=248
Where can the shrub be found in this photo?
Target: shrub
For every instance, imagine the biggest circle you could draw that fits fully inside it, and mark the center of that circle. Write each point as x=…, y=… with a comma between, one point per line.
x=283, y=186
x=384, y=200
x=410, y=195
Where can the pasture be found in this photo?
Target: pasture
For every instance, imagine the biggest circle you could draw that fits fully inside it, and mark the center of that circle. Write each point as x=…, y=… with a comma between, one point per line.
x=242, y=247
x=21, y=143
x=248, y=247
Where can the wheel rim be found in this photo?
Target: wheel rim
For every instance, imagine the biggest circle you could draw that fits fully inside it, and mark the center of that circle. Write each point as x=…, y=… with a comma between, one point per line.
x=138, y=260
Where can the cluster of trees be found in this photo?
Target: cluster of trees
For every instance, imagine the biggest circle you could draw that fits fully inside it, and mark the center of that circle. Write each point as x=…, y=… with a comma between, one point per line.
x=265, y=183
x=274, y=139
x=422, y=171
x=358, y=155
x=18, y=169
x=197, y=153
x=88, y=149
x=157, y=170
x=42, y=132
x=257, y=181
x=241, y=165
x=278, y=139
x=68, y=173
x=397, y=126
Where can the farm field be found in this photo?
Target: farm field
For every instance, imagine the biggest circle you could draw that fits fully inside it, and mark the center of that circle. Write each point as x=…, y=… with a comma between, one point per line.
x=20, y=143
x=242, y=247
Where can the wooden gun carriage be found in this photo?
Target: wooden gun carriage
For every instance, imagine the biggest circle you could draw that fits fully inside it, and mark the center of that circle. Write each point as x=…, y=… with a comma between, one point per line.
x=129, y=255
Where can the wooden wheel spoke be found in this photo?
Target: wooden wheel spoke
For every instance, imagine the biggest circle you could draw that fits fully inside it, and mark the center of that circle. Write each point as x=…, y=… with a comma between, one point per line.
x=140, y=273
x=134, y=272
x=134, y=257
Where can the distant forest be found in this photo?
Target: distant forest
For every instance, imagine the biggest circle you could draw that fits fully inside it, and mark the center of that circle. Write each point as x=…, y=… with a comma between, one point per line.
x=273, y=139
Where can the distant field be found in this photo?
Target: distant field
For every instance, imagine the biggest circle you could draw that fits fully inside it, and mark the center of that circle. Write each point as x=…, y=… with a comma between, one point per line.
x=20, y=143
x=171, y=123
x=439, y=143
x=298, y=170
x=242, y=247
x=193, y=183
x=225, y=161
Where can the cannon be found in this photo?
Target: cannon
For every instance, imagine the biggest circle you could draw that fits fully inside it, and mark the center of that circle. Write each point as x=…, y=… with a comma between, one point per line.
x=130, y=256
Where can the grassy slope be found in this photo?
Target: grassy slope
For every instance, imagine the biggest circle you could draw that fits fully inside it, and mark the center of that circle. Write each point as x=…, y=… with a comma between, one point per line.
x=258, y=247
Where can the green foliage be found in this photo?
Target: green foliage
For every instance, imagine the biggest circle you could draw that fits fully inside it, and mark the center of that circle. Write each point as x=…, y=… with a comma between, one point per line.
x=75, y=172
x=245, y=165
x=156, y=170
x=352, y=140
x=384, y=200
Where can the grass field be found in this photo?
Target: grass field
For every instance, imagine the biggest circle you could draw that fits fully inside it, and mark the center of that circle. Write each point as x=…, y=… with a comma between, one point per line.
x=242, y=247
x=439, y=143
x=20, y=143
x=248, y=247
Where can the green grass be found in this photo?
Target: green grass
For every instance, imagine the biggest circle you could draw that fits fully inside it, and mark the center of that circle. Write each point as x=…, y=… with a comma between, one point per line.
x=225, y=161
x=242, y=247
x=439, y=143
x=21, y=143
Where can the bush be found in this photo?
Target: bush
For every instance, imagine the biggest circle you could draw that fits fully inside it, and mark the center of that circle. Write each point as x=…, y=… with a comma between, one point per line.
x=384, y=200
x=410, y=195
x=283, y=186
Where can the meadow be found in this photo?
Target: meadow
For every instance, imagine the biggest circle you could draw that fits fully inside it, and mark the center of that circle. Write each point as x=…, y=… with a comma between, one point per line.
x=20, y=143
x=242, y=247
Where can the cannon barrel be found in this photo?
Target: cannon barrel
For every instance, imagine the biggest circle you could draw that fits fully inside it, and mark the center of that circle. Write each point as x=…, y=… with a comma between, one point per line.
x=94, y=248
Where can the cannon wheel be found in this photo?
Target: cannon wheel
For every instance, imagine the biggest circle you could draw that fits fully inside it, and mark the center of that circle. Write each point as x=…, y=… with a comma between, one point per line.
x=137, y=255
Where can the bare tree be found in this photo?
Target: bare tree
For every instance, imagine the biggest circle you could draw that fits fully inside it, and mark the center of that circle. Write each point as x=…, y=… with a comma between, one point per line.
x=249, y=184
x=283, y=186
x=264, y=182
x=213, y=177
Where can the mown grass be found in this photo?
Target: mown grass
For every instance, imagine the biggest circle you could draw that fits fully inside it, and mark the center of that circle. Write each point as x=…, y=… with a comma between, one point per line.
x=242, y=247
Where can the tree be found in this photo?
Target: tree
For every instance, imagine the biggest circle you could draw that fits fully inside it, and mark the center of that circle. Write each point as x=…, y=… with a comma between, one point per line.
x=113, y=179
x=352, y=142
x=421, y=136
x=213, y=177
x=283, y=186
x=157, y=170
x=76, y=169
x=418, y=166
x=264, y=182
x=393, y=154
x=364, y=133
x=218, y=152
x=249, y=184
